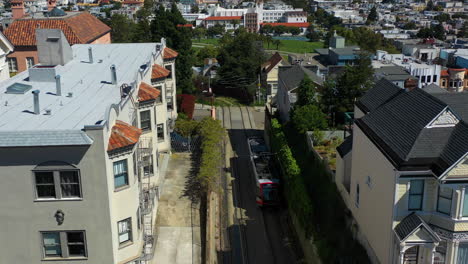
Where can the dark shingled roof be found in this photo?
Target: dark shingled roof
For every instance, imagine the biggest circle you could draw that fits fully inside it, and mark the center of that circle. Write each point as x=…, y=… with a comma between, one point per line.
x=291, y=76
x=458, y=102
x=434, y=89
x=399, y=129
x=272, y=62
x=411, y=223
x=345, y=147
x=382, y=92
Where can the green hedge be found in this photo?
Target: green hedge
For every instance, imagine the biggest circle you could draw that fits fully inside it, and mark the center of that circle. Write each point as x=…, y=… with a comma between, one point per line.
x=295, y=190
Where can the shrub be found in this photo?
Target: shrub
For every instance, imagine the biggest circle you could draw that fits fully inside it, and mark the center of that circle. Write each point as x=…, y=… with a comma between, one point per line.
x=186, y=104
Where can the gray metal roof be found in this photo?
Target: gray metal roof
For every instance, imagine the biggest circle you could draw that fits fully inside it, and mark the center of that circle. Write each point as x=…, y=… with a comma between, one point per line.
x=382, y=92
x=44, y=138
x=434, y=89
x=89, y=83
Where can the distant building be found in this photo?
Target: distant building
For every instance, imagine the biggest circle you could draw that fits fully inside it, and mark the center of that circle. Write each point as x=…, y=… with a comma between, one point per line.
x=78, y=27
x=454, y=80
x=338, y=53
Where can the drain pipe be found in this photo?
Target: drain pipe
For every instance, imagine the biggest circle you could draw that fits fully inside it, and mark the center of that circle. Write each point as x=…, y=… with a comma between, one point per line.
x=113, y=74
x=58, y=85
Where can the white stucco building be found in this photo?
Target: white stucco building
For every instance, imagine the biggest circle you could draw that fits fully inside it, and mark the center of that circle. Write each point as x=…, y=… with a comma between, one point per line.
x=82, y=137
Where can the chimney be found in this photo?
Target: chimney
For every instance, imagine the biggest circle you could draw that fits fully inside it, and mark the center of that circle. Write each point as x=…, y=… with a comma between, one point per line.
x=58, y=85
x=51, y=4
x=17, y=8
x=90, y=54
x=36, y=101
x=113, y=74
x=410, y=84
x=52, y=47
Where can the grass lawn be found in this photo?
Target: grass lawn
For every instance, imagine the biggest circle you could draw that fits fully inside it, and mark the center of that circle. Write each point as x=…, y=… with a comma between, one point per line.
x=296, y=46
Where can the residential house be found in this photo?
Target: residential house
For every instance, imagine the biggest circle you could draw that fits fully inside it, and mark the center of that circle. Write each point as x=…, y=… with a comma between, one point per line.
x=410, y=203
x=78, y=27
x=83, y=136
x=338, y=53
x=289, y=78
x=269, y=74
x=396, y=74
x=454, y=80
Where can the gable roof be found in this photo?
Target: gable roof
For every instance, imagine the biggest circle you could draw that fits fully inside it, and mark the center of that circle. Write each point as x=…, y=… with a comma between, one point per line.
x=417, y=130
x=291, y=76
x=382, y=92
x=169, y=54
x=147, y=93
x=272, y=62
x=79, y=28
x=122, y=136
x=159, y=72
x=410, y=224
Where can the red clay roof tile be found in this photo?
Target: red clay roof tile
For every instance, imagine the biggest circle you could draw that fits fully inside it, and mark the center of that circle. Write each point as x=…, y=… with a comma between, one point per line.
x=169, y=54
x=159, y=72
x=147, y=92
x=123, y=135
x=444, y=73
x=81, y=28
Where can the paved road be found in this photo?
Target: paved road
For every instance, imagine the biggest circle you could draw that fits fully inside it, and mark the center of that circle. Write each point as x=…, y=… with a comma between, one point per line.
x=258, y=235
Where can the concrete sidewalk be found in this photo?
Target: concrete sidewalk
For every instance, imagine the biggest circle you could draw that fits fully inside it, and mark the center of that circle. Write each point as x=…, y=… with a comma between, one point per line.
x=178, y=220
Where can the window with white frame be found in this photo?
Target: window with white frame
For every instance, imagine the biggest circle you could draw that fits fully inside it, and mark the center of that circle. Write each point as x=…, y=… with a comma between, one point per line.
x=444, y=201
x=160, y=132
x=30, y=62
x=416, y=193
x=145, y=120
x=120, y=173
x=63, y=244
x=57, y=184
x=169, y=68
x=465, y=203
x=125, y=230
x=12, y=64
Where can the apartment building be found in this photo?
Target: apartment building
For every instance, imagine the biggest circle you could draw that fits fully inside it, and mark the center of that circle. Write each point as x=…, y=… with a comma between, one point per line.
x=403, y=174
x=454, y=80
x=82, y=136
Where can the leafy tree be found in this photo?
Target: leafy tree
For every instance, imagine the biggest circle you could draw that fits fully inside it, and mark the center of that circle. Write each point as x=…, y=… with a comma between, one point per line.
x=122, y=29
x=436, y=31
x=410, y=25
x=279, y=30
x=194, y=9
x=268, y=39
x=355, y=81
x=430, y=6
x=266, y=29
x=306, y=92
x=294, y=31
x=277, y=43
x=215, y=30
x=178, y=38
x=373, y=15
x=235, y=23
x=206, y=52
x=444, y=17
x=240, y=57
x=186, y=127
x=199, y=32
x=312, y=34
x=308, y=118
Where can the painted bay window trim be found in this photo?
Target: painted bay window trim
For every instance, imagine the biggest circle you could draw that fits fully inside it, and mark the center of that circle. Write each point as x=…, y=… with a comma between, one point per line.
x=416, y=195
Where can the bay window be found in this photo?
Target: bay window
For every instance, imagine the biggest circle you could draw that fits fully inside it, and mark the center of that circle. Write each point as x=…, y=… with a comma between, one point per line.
x=444, y=201
x=416, y=194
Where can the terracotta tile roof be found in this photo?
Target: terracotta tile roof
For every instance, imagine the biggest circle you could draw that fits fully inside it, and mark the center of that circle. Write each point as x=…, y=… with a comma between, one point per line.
x=185, y=25
x=159, y=72
x=147, y=92
x=81, y=28
x=123, y=135
x=218, y=18
x=444, y=73
x=132, y=3
x=301, y=25
x=169, y=54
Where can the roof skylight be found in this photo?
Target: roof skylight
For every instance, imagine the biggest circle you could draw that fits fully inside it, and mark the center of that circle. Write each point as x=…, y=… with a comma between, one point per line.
x=18, y=88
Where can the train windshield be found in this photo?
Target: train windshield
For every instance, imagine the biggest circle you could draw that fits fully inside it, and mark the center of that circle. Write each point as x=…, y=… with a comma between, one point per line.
x=270, y=192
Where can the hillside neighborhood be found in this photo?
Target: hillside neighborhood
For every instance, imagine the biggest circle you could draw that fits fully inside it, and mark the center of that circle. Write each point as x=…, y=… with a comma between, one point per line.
x=228, y=131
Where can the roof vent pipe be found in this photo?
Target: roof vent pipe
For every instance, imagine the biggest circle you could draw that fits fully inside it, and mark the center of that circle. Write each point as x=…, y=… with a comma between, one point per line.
x=58, y=85
x=36, y=101
x=113, y=74
x=90, y=54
